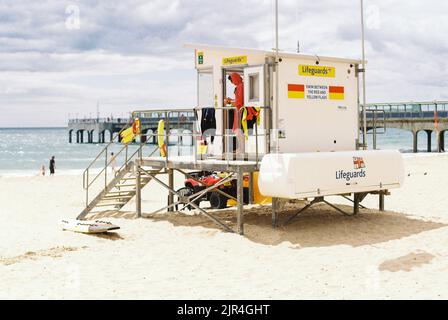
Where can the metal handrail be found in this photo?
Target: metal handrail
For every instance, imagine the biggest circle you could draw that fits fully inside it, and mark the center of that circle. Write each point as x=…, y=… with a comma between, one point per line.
x=194, y=135
x=87, y=183
x=128, y=159
x=107, y=163
x=105, y=149
x=410, y=110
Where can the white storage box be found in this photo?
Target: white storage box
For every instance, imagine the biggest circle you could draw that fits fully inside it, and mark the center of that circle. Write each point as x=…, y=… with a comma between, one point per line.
x=302, y=175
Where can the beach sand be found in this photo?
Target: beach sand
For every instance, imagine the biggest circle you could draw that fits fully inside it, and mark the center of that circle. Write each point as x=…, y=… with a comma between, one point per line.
x=398, y=254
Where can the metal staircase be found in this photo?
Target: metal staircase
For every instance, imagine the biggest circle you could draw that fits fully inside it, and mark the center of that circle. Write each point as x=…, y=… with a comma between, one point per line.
x=116, y=189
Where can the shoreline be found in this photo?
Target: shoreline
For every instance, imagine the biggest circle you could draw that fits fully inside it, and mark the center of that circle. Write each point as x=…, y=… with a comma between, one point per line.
x=15, y=173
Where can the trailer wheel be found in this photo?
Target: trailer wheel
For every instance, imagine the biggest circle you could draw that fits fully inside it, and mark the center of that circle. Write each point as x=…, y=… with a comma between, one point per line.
x=185, y=192
x=217, y=200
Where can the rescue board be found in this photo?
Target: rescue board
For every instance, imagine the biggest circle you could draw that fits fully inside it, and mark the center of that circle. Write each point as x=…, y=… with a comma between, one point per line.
x=83, y=226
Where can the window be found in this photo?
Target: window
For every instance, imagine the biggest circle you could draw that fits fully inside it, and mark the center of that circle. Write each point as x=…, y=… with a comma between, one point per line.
x=254, y=87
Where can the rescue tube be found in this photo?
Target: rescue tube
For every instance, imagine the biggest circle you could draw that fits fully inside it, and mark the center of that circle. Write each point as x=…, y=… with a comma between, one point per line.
x=161, y=138
x=129, y=134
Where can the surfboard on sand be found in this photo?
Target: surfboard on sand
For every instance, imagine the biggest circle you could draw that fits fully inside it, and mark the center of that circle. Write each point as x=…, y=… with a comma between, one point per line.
x=84, y=226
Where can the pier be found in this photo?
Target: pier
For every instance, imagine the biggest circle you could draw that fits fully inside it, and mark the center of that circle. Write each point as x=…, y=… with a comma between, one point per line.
x=103, y=130
x=414, y=117
x=411, y=116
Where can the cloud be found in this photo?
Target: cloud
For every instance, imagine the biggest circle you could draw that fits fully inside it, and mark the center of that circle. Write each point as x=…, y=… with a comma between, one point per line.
x=128, y=53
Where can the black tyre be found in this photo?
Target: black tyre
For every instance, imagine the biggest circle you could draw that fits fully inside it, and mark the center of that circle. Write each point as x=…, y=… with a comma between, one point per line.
x=217, y=200
x=185, y=192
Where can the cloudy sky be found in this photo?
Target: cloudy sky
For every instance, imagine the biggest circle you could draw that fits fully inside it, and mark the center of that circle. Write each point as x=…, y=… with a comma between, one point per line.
x=58, y=58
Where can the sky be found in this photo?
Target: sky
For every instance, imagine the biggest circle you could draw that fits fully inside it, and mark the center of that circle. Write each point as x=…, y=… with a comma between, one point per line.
x=59, y=58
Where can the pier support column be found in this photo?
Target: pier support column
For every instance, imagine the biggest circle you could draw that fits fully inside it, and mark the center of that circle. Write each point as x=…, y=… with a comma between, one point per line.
x=101, y=137
x=80, y=136
x=415, y=141
x=441, y=142
x=70, y=136
x=429, y=133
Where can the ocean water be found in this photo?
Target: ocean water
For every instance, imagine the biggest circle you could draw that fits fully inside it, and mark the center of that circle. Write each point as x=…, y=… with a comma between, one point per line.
x=24, y=151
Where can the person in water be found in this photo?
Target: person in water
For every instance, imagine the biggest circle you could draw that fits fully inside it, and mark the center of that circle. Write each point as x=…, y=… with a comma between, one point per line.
x=52, y=166
x=42, y=171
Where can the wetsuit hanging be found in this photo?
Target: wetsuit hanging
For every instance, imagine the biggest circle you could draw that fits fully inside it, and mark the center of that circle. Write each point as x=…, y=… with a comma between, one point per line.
x=208, y=122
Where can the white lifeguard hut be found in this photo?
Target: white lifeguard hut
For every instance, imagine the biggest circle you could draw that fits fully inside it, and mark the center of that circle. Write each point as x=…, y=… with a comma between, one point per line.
x=305, y=144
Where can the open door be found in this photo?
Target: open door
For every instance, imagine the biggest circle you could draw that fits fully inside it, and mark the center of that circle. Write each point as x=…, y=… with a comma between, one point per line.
x=254, y=96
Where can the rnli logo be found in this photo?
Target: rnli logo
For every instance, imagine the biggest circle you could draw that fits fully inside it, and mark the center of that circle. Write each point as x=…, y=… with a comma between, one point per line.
x=358, y=163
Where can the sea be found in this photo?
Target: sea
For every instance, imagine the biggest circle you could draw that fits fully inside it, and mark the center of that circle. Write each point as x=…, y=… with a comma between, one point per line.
x=23, y=151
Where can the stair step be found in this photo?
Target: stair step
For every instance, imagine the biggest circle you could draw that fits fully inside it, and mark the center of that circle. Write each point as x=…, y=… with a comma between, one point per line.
x=113, y=197
x=133, y=178
x=110, y=204
x=114, y=200
x=121, y=192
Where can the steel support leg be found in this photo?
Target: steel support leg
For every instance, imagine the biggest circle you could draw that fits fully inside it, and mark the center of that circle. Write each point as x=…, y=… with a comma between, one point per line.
x=240, y=197
x=274, y=212
x=381, y=201
x=356, y=202
x=251, y=188
x=171, y=185
x=138, y=191
x=192, y=198
x=317, y=200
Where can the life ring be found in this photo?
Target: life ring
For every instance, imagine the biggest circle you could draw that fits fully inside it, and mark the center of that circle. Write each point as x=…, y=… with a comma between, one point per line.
x=161, y=138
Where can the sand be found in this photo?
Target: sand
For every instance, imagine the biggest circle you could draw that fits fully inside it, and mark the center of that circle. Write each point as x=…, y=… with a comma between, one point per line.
x=398, y=254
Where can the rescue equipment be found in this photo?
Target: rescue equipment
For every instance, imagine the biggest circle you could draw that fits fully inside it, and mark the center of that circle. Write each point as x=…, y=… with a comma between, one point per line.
x=129, y=134
x=161, y=138
x=251, y=115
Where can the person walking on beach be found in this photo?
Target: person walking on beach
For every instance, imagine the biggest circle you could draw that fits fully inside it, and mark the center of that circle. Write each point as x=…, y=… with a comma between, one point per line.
x=42, y=171
x=52, y=165
x=113, y=162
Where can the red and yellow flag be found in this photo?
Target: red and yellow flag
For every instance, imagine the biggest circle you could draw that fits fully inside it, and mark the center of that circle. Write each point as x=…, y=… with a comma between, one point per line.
x=336, y=93
x=296, y=91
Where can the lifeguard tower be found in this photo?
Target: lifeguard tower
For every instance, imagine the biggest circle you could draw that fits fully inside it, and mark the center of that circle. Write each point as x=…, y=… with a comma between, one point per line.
x=305, y=143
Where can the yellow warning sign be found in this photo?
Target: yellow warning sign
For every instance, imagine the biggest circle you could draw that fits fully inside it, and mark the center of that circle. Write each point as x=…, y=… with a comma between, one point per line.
x=234, y=60
x=317, y=71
